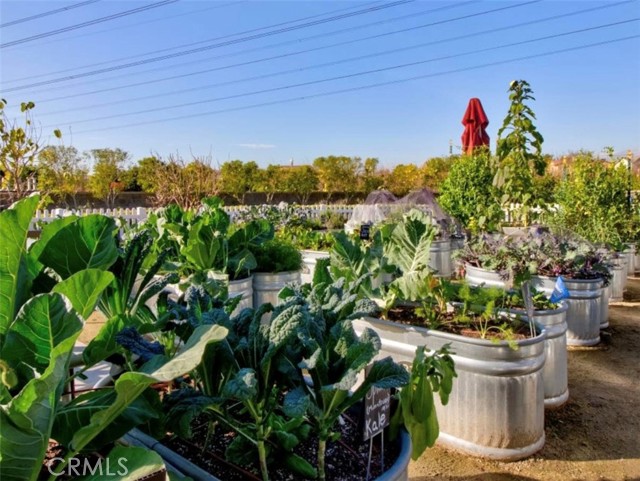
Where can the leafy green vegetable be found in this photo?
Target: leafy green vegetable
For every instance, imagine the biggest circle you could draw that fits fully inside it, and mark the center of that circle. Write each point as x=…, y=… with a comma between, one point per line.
x=416, y=411
x=15, y=283
x=86, y=243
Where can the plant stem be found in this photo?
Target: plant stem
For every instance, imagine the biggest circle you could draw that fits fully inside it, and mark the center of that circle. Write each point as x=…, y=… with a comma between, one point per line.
x=322, y=449
x=262, y=455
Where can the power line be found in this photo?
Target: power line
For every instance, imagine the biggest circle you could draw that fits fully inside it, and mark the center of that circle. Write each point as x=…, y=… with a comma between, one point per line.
x=260, y=77
x=330, y=12
x=290, y=42
x=133, y=25
x=46, y=14
x=209, y=47
x=356, y=74
x=87, y=24
x=363, y=87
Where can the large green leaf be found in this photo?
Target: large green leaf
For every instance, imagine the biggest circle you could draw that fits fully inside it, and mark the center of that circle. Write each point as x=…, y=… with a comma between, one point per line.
x=410, y=242
x=131, y=384
x=104, y=344
x=27, y=420
x=409, y=250
x=84, y=288
x=191, y=353
x=127, y=389
x=88, y=242
x=203, y=247
x=43, y=322
x=15, y=282
x=128, y=462
x=73, y=416
x=48, y=231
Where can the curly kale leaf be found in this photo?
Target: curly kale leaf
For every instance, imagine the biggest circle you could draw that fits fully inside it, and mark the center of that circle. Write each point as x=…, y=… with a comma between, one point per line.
x=132, y=340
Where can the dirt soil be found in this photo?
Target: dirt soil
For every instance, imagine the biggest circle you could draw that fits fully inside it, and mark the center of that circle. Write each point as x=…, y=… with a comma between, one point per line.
x=594, y=436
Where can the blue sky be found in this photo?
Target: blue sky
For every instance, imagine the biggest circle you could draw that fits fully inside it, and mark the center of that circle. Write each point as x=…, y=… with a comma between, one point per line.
x=585, y=98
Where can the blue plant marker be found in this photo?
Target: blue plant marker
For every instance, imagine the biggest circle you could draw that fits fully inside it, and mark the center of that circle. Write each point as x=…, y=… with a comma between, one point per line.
x=560, y=291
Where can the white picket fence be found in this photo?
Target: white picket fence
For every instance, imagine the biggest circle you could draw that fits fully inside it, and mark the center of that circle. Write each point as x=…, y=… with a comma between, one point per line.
x=137, y=215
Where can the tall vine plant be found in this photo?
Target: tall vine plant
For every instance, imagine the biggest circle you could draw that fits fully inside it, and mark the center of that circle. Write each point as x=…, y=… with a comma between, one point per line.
x=519, y=154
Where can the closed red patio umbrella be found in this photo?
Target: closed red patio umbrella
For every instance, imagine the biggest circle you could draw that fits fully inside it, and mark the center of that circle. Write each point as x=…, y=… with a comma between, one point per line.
x=475, y=122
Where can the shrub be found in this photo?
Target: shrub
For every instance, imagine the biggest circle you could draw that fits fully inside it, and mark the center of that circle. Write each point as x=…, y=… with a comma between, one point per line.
x=277, y=256
x=468, y=194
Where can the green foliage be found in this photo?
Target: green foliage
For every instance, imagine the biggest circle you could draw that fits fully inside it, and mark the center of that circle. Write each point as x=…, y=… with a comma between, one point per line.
x=403, y=179
x=304, y=238
x=239, y=178
x=416, y=412
x=108, y=174
x=519, y=153
x=592, y=202
x=539, y=253
x=468, y=194
x=338, y=173
x=19, y=148
x=243, y=242
x=39, y=330
x=436, y=169
x=62, y=173
x=84, y=243
x=277, y=256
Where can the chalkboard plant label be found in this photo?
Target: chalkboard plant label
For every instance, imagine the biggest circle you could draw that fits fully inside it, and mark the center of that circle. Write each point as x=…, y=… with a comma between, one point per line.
x=377, y=411
x=365, y=231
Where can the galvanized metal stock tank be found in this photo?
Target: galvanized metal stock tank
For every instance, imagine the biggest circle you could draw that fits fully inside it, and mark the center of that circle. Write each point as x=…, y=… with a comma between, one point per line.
x=496, y=409
x=476, y=277
x=585, y=307
x=604, y=308
x=618, y=271
x=244, y=289
x=440, y=259
x=631, y=260
x=309, y=261
x=266, y=285
x=554, y=373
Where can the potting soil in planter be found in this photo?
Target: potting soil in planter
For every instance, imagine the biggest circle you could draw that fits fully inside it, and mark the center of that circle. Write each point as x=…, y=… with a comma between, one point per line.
x=346, y=459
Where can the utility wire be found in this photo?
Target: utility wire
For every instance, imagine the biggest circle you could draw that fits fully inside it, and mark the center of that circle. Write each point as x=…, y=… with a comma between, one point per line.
x=87, y=24
x=298, y=69
x=353, y=75
x=46, y=14
x=363, y=87
x=279, y=44
x=132, y=25
x=168, y=49
x=209, y=47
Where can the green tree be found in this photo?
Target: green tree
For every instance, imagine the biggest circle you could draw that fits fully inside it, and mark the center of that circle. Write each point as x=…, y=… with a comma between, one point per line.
x=144, y=176
x=62, y=173
x=239, y=178
x=370, y=179
x=519, y=153
x=301, y=180
x=107, y=178
x=19, y=149
x=468, y=193
x=270, y=181
x=436, y=170
x=338, y=173
x=403, y=179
